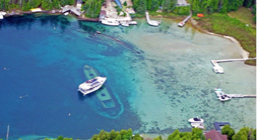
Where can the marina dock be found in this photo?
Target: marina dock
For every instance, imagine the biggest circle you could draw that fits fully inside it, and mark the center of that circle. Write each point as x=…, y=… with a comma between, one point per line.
x=222, y=96
x=151, y=22
x=219, y=69
x=182, y=23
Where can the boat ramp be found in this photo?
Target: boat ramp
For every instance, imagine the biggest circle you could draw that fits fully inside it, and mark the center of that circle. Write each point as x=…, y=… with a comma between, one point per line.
x=151, y=22
x=219, y=69
x=182, y=23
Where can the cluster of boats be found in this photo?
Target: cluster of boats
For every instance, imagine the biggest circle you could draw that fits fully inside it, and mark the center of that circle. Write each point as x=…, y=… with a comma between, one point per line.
x=117, y=23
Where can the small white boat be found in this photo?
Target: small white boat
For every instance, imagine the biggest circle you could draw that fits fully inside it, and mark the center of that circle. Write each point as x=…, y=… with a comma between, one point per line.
x=196, y=120
x=66, y=13
x=218, y=69
x=126, y=24
x=154, y=23
x=221, y=95
x=91, y=85
x=197, y=125
x=181, y=24
x=110, y=22
x=133, y=22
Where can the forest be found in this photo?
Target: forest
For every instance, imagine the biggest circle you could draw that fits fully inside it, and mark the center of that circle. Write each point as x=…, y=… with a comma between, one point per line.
x=197, y=6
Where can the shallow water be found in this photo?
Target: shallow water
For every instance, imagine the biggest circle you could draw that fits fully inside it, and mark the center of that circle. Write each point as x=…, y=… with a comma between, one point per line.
x=159, y=78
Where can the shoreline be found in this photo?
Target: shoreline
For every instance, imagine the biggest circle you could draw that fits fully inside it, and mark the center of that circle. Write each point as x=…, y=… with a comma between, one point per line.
x=194, y=24
x=52, y=12
x=243, y=53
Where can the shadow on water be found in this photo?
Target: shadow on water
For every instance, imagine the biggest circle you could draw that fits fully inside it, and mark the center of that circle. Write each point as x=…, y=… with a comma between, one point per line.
x=26, y=21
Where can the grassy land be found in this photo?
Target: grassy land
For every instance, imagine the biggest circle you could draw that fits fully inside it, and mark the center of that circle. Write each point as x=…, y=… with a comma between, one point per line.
x=244, y=15
x=226, y=25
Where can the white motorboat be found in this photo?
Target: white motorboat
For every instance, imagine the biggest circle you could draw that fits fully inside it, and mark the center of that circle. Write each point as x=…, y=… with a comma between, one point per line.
x=181, y=24
x=218, y=69
x=110, y=22
x=126, y=24
x=91, y=85
x=198, y=125
x=133, y=22
x=221, y=95
x=196, y=120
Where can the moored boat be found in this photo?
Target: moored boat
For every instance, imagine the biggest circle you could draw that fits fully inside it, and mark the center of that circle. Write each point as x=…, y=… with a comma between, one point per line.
x=91, y=85
x=110, y=22
x=196, y=120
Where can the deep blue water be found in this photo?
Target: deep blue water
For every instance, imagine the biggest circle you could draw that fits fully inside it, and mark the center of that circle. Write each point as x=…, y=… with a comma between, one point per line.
x=159, y=77
x=42, y=58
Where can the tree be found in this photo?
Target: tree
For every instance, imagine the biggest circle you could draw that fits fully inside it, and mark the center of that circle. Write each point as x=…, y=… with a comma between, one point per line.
x=158, y=138
x=92, y=8
x=173, y=135
x=227, y=130
x=125, y=3
x=169, y=5
x=60, y=138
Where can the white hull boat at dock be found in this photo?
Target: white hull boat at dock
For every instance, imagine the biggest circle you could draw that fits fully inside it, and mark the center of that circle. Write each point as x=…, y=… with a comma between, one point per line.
x=221, y=95
x=110, y=22
x=91, y=85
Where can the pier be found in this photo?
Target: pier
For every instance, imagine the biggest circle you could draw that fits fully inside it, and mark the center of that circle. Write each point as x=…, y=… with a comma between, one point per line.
x=219, y=69
x=222, y=96
x=217, y=125
x=7, y=134
x=151, y=22
x=182, y=23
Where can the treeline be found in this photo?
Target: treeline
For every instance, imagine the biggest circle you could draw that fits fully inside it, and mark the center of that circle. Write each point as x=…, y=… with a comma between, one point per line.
x=222, y=6
x=245, y=133
x=197, y=6
x=25, y=5
x=92, y=8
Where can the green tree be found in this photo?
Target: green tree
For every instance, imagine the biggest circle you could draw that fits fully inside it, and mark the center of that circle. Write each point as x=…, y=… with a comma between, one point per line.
x=92, y=8
x=60, y=138
x=158, y=138
x=169, y=5
x=173, y=135
x=139, y=6
x=227, y=130
x=137, y=137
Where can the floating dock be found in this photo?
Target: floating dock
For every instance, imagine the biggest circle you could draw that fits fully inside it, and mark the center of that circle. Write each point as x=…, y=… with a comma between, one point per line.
x=217, y=125
x=218, y=69
x=225, y=97
x=182, y=23
x=151, y=22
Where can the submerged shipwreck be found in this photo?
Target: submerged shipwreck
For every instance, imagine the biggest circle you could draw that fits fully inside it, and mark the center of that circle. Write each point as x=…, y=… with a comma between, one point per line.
x=104, y=102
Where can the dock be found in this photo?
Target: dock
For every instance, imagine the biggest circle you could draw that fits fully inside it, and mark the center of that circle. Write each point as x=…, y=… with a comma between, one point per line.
x=151, y=22
x=222, y=96
x=217, y=125
x=219, y=69
x=74, y=10
x=241, y=96
x=182, y=23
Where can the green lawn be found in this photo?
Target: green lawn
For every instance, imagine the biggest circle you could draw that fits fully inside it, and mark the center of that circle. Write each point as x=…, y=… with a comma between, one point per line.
x=243, y=14
x=226, y=25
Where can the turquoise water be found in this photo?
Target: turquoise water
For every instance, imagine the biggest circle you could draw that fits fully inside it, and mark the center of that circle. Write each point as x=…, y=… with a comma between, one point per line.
x=159, y=78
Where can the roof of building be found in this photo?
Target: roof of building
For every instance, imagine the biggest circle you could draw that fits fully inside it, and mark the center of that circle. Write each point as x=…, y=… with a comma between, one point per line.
x=103, y=12
x=214, y=135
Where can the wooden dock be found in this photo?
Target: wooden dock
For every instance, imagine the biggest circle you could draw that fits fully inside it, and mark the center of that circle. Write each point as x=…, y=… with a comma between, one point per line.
x=182, y=23
x=219, y=69
x=241, y=96
x=151, y=22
